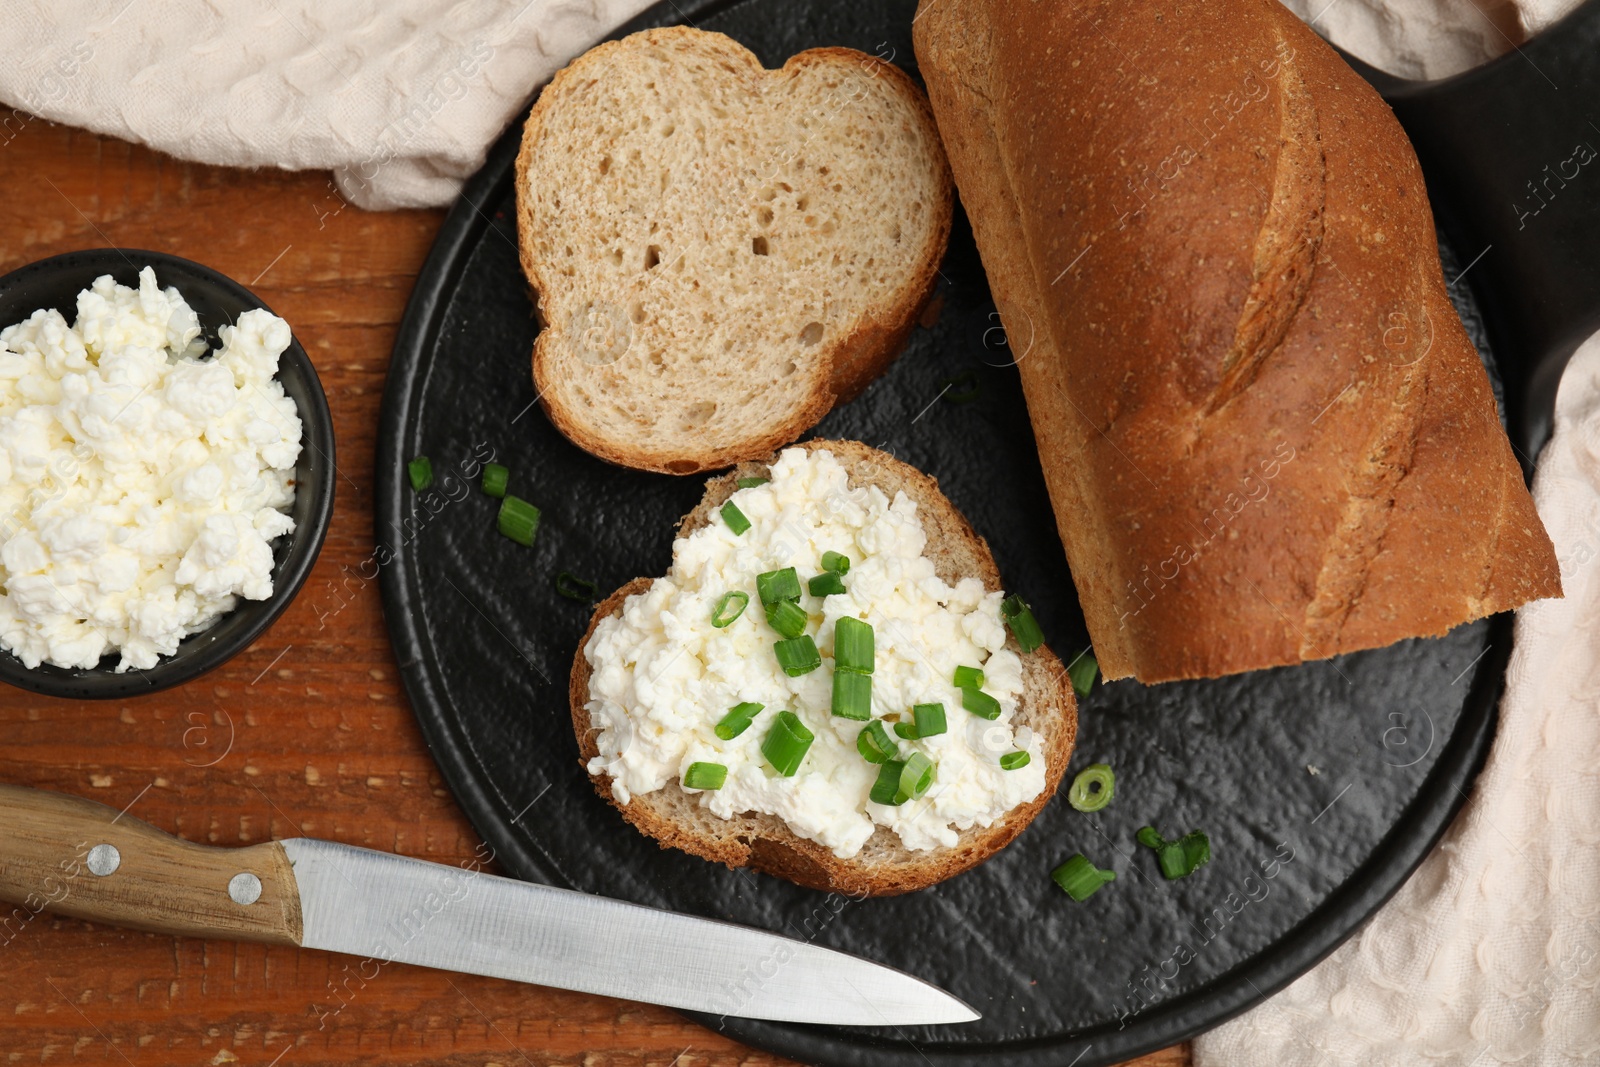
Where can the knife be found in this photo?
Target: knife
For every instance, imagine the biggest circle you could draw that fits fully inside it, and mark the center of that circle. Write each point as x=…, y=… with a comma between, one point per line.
x=75, y=857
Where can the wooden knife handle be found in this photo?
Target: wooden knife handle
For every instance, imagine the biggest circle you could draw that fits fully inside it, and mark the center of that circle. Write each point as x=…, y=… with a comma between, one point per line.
x=74, y=857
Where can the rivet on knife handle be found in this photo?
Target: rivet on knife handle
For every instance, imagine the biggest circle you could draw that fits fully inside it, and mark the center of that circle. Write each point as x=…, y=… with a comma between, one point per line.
x=74, y=857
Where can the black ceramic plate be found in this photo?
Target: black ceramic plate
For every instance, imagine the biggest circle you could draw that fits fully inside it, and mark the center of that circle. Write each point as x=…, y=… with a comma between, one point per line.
x=1321, y=786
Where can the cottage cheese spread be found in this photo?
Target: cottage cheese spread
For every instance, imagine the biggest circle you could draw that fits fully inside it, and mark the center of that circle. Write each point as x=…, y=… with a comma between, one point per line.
x=140, y=485
x=663, y=676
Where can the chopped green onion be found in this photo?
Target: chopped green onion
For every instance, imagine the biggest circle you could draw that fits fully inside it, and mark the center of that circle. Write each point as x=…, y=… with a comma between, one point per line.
x=980, y=703
x=1093, y=789
x=907, y=730
x=1023, y=625
x=734, y=518
x=705, y=776
x=495, y=478
x=837, y=562
x=1082, y=672
x=787, y=617
x=1180, y=858
x=828, y=583
x=1080, y=878
x=786, y=743
x=888, y=783
x=915, y=778
x=729, y=607
x=751, y=483
x=929, y=719
x=853, y=645
x=420, y=470
x=969, y=677
x=519, y=520
x=738, y=720
x=962, y=388
x=574, y=588
x=1015, y=761
x=797, y=655
x=774, y=586
x=873, y=743
x=852, y=695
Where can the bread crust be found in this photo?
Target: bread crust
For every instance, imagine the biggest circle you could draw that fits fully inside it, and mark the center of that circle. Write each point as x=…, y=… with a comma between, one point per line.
x=763, y=842
x=853, y=360
x=1266, y=435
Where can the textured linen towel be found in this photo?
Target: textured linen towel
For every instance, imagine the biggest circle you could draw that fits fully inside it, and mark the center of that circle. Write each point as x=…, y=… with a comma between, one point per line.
x=1491, y=953
x=400, y=99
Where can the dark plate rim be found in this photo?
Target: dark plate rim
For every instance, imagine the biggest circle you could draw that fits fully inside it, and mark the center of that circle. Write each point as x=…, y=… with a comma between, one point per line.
x=1367, y=889
x=194, y=660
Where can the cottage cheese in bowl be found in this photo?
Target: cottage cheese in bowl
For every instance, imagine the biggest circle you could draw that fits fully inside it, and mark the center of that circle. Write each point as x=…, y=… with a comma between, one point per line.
x=142, y=481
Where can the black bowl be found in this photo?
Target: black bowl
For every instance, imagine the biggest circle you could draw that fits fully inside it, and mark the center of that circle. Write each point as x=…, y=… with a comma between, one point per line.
x=218, y=301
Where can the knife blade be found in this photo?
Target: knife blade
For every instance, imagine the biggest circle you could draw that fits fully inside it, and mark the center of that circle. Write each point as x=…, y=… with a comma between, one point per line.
x=76, y=857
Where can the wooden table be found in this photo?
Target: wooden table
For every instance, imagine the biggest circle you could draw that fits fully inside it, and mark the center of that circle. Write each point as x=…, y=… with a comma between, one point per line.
x=307, y=732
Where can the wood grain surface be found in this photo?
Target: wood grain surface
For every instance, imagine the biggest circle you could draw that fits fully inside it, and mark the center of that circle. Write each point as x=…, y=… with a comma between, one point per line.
x=307, y=732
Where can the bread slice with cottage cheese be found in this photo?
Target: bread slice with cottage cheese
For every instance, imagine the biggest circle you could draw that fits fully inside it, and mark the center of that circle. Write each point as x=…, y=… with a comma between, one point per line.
x=721, y=253
x=883, y=866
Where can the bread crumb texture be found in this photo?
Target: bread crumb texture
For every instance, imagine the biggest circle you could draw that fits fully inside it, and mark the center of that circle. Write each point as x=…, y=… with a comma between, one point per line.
x=720, y=251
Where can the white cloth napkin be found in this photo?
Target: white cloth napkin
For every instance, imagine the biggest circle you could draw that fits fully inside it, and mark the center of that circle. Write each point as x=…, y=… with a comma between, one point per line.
x=1490, y=954
x=399, y=98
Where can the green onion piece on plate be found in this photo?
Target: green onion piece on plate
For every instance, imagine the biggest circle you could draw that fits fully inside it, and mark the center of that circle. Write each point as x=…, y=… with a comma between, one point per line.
x=853, y=645
x=1024, y=627
x=907, y=730
x=738, y=720
x=874, y=745
x=969, y=678
x=734, y=518
x=1093, y=788
x=1196, y=848
x=888, y=783
x=980, y=703
x=751, y=483
x=518, y=520
x=915, y=778
x=961, y=388
x=828, y=583
x=1015, y=761
x=786, y=743
x=773, y=586
x=705, y=776
x=837, y=562
x=1082, y=672
x=929, y=719
x=852, y=695
x=729, y=607
x=495, y=478
x=797, y=655
x=1080, y=878
x=1180, y=858
x=572, y=587
x=787, y=617
x=420, y=471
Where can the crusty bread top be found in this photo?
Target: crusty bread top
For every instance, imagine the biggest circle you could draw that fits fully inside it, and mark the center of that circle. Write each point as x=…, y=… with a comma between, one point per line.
x=882, y=867
x=1266, y=435
x=720, y=252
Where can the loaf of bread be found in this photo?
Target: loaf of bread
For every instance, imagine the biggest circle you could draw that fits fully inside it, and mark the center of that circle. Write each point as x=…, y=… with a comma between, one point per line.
x=883, y=866
x=720, y=253
x=1266, y=435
